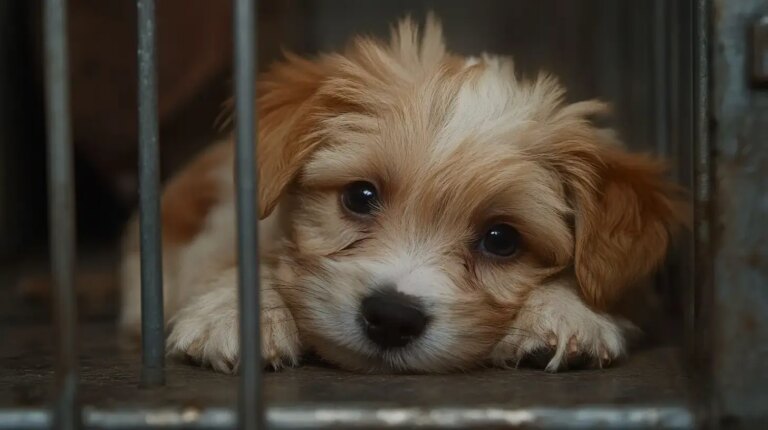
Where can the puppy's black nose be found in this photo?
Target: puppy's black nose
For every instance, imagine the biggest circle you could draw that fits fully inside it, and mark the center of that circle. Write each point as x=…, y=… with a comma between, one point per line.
x=392, y=319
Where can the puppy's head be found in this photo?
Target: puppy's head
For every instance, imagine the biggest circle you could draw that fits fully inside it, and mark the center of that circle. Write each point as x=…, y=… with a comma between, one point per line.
x=428, y=194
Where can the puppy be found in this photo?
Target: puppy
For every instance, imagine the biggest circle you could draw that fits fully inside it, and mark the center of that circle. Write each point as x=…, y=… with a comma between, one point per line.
x=419, y=212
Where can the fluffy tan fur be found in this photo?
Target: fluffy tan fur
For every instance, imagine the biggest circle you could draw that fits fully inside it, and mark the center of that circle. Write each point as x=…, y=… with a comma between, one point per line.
x=452, y=144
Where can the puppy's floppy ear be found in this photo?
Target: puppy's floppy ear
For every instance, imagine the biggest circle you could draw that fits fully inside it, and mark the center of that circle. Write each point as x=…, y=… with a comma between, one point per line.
x=625, y=211
x=623, y=226
x=287, y=110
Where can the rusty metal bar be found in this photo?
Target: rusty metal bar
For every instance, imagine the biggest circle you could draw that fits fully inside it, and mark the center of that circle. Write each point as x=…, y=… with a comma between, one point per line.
x=61, y=213
x=152, y=325
x=250, y=411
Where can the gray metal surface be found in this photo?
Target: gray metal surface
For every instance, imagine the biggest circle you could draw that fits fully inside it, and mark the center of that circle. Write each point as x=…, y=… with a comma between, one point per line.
x=335, y=417
x=650, y=389
x=61, y=212
x=152, y=322
x=739, y=339
x=250, y=411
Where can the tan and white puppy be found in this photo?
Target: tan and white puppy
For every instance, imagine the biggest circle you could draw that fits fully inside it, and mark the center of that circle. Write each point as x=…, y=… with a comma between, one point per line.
x=421, y=212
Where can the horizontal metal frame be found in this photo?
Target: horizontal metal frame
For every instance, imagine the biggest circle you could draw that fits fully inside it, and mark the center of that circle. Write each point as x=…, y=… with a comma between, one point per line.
x=339, y=417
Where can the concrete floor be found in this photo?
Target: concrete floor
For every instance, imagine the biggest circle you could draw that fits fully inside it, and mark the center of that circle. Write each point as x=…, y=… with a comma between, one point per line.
x=648, y=390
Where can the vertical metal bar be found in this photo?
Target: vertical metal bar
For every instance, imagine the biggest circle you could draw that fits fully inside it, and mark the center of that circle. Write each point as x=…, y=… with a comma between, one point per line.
x=705, y=350
x=152, y=324
x=250, y=407
x=703, y=311
x=660, y=110
x=61, y=212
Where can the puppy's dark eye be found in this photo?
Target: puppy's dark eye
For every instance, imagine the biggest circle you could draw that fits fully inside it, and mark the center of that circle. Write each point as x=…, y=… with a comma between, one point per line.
x=360, y=197
x=501, y=240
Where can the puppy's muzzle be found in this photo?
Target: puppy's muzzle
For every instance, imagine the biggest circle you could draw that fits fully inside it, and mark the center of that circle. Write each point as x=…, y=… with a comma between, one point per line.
x=392, y=319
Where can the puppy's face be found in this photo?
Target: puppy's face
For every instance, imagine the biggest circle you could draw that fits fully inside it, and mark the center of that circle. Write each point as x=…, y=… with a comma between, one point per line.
x=428, y=194
x=418, y=242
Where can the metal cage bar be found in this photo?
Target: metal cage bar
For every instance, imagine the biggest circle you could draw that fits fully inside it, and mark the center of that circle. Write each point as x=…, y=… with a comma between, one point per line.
x=61, y=212
x=152, y=324
x=250, y=411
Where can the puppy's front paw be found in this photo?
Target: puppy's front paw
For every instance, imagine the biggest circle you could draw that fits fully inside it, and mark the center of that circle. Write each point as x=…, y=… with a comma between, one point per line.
x=210, y=339
x=280, y=344
x=562, y=334
x=207, y=332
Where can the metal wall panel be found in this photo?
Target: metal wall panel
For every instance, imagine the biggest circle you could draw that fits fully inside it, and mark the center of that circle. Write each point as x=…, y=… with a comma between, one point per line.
x=739, y=337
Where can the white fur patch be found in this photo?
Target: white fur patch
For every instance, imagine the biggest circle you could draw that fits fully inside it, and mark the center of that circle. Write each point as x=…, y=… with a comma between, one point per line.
x=410, y=275
x=424, y=281
x=478, y=107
